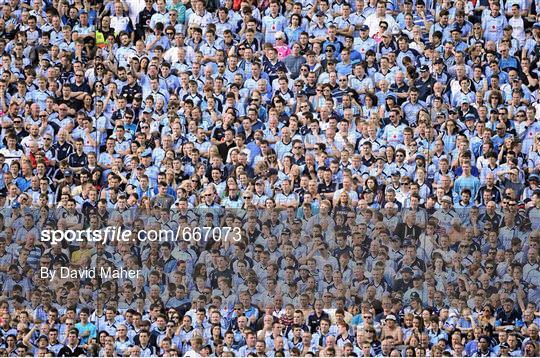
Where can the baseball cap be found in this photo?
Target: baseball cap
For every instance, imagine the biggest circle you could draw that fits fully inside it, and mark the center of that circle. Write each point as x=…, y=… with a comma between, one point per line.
x=424, y=68
x=68, y=173
x=391, y=317
x=364, y=28
x=146, y=153
x=407, y=269
x=507, y=278
x=447, y=199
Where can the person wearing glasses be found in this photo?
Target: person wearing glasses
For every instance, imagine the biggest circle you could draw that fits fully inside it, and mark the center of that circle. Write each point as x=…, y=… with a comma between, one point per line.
x=176, y=20
x=143, y=19
x=122, y=342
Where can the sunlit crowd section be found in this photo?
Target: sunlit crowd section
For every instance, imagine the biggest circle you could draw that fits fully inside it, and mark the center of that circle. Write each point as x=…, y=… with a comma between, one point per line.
x=340, y=178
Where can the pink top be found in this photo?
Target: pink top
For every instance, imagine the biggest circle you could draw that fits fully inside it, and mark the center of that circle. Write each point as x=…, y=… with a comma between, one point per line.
x=283, y=51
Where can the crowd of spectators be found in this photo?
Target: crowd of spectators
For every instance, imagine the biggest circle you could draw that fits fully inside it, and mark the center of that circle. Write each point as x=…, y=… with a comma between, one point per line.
x=381, y=158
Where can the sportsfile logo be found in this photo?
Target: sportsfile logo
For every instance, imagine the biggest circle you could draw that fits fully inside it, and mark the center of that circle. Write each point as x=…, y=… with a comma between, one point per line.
x=108, y=234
